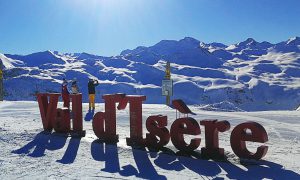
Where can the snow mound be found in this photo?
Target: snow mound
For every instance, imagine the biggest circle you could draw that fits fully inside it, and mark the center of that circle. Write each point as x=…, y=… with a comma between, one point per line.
x=221, y=106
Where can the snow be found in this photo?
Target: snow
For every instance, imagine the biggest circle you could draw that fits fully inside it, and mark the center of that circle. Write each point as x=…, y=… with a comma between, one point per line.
x=294, y=41
x=249, y=75
x=8, y=63
x=28, y=153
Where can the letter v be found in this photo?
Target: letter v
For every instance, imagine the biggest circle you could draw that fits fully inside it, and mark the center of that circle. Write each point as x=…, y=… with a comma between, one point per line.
x=48, y=109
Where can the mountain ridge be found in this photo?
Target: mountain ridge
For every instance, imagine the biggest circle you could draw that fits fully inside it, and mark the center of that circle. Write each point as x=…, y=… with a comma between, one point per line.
x=249, y=75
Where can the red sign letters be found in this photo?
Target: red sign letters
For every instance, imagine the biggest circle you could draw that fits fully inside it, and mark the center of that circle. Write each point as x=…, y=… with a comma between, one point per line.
x=104, y=127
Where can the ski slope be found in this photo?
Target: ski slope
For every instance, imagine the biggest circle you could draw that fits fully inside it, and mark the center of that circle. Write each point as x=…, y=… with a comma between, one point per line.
x=28, y=153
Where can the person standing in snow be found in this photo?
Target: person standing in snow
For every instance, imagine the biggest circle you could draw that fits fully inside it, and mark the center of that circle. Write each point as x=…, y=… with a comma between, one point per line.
x=65, y=93
x=74, y=86
x=91, y=88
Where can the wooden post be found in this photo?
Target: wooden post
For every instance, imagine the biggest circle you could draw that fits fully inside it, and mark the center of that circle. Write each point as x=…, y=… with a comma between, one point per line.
x=168, y=77
x=168, y=100
x=1, y=82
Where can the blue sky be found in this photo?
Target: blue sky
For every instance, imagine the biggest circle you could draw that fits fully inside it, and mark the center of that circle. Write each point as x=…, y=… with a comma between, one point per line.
x=106, y=27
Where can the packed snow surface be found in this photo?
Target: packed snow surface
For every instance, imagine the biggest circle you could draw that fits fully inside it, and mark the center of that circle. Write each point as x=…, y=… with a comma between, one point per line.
x=28, y=153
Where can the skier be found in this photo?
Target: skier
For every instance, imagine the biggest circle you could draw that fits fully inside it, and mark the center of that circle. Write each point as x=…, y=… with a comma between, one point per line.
x=65, y=93
x=74, y=86
x=91, y=88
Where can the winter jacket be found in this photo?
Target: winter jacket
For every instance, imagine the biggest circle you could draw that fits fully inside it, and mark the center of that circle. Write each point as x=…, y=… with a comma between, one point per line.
x=91, y=86
x=74, y=88
x=64, y=89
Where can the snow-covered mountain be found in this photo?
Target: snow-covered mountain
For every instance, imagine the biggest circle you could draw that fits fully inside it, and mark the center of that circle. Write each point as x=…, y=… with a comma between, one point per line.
x=249, y=75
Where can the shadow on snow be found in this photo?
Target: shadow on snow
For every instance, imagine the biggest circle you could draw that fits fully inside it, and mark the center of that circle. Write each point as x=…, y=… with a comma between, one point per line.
x=89, y=115
x=51, y=141
x=167, y=160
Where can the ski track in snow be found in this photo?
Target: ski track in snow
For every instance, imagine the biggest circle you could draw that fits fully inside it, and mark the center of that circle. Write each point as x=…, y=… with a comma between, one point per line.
x=27, y=152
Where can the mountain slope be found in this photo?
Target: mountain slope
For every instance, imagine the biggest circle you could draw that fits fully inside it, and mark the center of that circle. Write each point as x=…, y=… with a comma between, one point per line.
x=38, y=59
x=249, y=75
x=186, y=51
